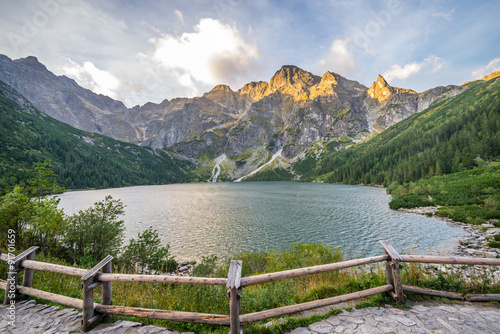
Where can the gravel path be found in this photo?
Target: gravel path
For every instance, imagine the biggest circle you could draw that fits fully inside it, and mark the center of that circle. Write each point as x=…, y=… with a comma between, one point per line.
x=420, y=318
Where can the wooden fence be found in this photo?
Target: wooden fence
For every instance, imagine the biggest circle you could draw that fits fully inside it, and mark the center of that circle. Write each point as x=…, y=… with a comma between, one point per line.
x=101, y=275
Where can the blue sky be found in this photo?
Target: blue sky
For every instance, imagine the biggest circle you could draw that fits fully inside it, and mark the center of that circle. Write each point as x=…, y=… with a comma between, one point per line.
x=140, y=51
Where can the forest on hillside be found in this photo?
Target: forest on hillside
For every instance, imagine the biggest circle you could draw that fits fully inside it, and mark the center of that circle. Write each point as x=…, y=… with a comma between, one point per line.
x=80, y=159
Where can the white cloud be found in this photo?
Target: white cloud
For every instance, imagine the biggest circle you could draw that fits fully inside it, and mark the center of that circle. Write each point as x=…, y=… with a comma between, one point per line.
x=90, y=77
x=214, y=53
x=431, y=64
x=179, y=15
x=398, y=72
x=339, y=59
x=492, y=66
x=446, y=16
x=434, y=61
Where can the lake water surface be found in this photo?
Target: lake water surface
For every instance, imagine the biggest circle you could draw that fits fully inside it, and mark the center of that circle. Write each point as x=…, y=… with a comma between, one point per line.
x=226, y=218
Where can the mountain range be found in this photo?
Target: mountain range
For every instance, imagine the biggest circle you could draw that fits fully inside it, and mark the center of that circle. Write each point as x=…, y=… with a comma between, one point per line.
x=226, y=134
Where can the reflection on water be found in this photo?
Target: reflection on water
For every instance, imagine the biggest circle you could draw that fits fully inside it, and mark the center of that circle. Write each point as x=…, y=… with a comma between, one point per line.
x=226, y=218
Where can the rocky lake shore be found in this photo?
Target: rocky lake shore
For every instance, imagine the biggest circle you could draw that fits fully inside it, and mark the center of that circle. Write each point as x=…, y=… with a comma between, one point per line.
x=473, y=243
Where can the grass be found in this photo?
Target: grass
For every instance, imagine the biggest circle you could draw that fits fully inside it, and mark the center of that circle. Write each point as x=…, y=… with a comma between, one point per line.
x=211, y=299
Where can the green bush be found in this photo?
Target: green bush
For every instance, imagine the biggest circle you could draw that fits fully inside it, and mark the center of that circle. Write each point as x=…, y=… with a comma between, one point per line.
x=170, y=265
x=409, y=201
x=96, y=231
x=491, y=203
x=148, y=252
x=494, y=244
x=497, y=237
x=207, y=266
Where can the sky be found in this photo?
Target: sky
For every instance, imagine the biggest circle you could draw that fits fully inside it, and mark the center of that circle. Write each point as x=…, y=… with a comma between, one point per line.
x=148, y=51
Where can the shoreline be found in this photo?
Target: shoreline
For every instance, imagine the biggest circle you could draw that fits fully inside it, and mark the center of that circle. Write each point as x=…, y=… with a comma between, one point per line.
x=473, y=243
x=475, y=240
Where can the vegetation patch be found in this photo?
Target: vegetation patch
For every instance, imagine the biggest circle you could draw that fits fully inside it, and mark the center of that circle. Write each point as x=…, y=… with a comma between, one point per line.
x=409, y=201
x=471, y=196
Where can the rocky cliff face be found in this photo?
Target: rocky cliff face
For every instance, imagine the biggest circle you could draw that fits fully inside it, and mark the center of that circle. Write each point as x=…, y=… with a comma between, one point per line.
x=289, y=114
x=388, y=105
x=63, y=99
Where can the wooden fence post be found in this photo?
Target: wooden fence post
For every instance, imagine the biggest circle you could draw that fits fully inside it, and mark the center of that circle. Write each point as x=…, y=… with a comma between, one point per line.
x=15, y=267
x=28, y=273
x=392, y=271
x=88, y=286
x=88, y=303
x=398, y=285
x=106, y=292
x=234, y=295
x=389, y=276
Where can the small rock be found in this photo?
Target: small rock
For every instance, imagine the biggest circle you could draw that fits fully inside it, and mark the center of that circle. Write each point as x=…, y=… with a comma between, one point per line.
x=490, y=255
x=184, y=268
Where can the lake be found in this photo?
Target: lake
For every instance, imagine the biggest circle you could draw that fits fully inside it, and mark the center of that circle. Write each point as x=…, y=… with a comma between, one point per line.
x=226, y=218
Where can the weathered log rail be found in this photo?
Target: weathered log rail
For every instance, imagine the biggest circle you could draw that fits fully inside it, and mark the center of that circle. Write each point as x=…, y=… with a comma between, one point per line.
x=101, y=275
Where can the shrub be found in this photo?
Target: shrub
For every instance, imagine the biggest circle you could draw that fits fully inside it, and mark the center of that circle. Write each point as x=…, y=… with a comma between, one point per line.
x=491, y=204
x=148, y=252
x=170, y=265
x=494, y=244
x=497, y=237
x=97, y=230
x=207, y=266
x=253, y=262
x=409, y=201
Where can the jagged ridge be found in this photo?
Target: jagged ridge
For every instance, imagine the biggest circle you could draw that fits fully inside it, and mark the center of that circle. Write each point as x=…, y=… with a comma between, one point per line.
x=290, y=113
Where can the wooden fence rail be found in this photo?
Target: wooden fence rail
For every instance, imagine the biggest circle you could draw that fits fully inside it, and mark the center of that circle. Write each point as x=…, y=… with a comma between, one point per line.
x=101, y=275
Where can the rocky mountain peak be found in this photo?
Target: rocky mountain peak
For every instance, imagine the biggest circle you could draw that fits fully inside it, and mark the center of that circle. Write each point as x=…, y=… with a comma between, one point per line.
x=219, y=91
x=32, y=62
x=254, y=90
x=334, y=84
x=381, y=82
x=292, y=80
x=227, y=98
x=222, y=88
x=381, y=90
x=325, y=87
x=329, y=78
